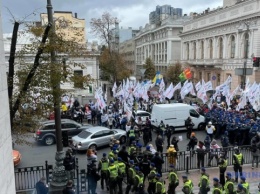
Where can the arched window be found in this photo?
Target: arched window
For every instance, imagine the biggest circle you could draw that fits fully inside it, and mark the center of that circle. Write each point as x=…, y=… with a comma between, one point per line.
x=202, y=50
x=220, y=48
x=194, y=50
x=232, y=47
x=246, y=45
x=210, y=49
x=188, y=51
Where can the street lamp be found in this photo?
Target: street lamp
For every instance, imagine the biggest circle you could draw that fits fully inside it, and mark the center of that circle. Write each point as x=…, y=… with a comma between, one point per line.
x=59, y=177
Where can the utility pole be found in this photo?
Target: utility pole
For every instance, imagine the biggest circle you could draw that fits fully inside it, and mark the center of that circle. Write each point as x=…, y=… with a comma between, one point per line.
x=59, y=178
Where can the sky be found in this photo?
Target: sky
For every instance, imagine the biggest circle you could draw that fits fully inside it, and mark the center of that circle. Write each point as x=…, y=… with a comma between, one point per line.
x=131, y=13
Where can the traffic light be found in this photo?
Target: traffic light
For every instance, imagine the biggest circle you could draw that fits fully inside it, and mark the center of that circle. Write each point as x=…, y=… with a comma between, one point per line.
x=256, y=61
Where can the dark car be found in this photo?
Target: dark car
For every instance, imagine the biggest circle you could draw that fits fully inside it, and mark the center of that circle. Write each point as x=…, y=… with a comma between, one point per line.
x=46, y=131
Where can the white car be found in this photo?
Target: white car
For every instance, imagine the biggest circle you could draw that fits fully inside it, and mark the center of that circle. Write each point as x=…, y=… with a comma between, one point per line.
x=143, y=114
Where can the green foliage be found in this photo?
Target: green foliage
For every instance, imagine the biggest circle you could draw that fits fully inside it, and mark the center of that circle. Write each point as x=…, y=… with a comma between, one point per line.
x=173, y=73
x=150, y=69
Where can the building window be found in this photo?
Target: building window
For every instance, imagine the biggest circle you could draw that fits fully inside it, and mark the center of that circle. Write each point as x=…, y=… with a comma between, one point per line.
x=233, y=47
x=221, y=48
x=78, y=78
x=210, y=49
x=209, y=76
x=194, y=50
x=202, y=49
x=188, y=51
x=246, y=45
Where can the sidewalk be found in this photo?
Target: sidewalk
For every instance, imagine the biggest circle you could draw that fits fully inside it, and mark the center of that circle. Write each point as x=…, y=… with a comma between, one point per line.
x=252, y=176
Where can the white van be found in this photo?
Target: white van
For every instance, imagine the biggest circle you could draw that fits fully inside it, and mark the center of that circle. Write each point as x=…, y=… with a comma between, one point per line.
x=175, y=115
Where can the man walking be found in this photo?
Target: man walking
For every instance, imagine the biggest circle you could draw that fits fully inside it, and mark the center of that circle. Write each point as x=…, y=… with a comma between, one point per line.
x=255, y=148
x=238, y=161
x=189, y=126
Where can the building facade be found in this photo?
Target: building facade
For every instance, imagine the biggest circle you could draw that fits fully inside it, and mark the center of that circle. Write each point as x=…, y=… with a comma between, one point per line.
x=127, y=49
x=163, y=12
x=160, y=43
x=126, y=34
x=71, y=27
x=217, y=42
x=7, y=179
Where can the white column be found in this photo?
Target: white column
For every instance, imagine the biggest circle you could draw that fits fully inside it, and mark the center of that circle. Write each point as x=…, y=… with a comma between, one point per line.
x=251, y=37
x=237, y=46
x=169, y=47
x=215, y=48
x=225, y=47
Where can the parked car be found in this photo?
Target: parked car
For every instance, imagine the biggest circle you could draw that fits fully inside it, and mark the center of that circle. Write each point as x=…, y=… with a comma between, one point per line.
x=95, y=137
x=16, y=157
x=142, y=114
x=46, y=131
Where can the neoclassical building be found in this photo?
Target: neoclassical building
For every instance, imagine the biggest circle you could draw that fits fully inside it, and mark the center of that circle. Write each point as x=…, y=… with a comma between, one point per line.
x=218, y=41
x=159, y=42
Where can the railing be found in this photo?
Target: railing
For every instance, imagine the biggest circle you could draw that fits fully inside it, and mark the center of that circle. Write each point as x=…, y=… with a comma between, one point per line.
x=188, y=160
x=26, y=178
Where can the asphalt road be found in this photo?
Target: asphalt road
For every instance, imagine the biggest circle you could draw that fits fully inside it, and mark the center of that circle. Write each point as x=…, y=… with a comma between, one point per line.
x=35, y=154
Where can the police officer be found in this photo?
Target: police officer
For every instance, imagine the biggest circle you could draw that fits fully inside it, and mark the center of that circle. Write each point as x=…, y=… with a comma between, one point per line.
x=161, y=129
x=217, y=187
x=189, y=126
x=222, y=164
x=229, y=185
x=240, y=189
x=245, y=184
x=145, y=166
x=204, y=182
x=122, y=171
x=173, y=180
x=131, y=174
x=159, y=185
x=131, y=136
x=238, y=161
x=187, y=185
x=138, y=181
x=112, y=176
x=151, y=179
x=103, y=166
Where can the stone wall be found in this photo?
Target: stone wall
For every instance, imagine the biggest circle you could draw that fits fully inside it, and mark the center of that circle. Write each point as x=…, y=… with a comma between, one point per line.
x=7, y=181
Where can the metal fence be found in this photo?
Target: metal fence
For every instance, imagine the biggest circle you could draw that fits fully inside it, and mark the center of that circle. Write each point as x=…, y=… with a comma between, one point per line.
x=188, y=160
x=26, y=178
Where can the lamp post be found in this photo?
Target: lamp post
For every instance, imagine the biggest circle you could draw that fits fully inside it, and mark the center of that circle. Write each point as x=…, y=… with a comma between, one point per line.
x=59, y=178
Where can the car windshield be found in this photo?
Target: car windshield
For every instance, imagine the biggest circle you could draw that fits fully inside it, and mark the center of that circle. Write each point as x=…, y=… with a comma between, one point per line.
x=84, y=134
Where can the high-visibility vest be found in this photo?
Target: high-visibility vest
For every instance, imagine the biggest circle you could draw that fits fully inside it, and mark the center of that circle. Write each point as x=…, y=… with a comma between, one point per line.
x=111, y=155
x=113, y=171
x=131, y=173
x=104, y=165
x=224, y=164
x=140, y=179
x=204, y=177
x=189, y=184
x=131, y=150
x=154, y=179
x=226, y=186
x=171, y=174
x=161, y=185
x=217, y=189
x=239, y=158
x=131, y=133
x=121, y=167
x=246, y=186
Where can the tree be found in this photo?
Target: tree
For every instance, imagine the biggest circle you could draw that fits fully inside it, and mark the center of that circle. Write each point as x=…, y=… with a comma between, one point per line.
x=173, y=73
x=150, y=71
x=31, y=94
x=112, y=65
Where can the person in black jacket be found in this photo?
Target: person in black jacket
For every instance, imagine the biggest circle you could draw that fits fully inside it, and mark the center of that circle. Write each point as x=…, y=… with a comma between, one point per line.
x=145, y=166
x=168, y=134
x=41, y=186
x=69, y=188
x=158, y=162
x=189, y=126
x=159, y=143
x=175, y=142
x=123, y=154
x=69, y=164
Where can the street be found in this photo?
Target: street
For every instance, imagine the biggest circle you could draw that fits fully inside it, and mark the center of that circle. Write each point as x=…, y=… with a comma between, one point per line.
x=35, y=154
